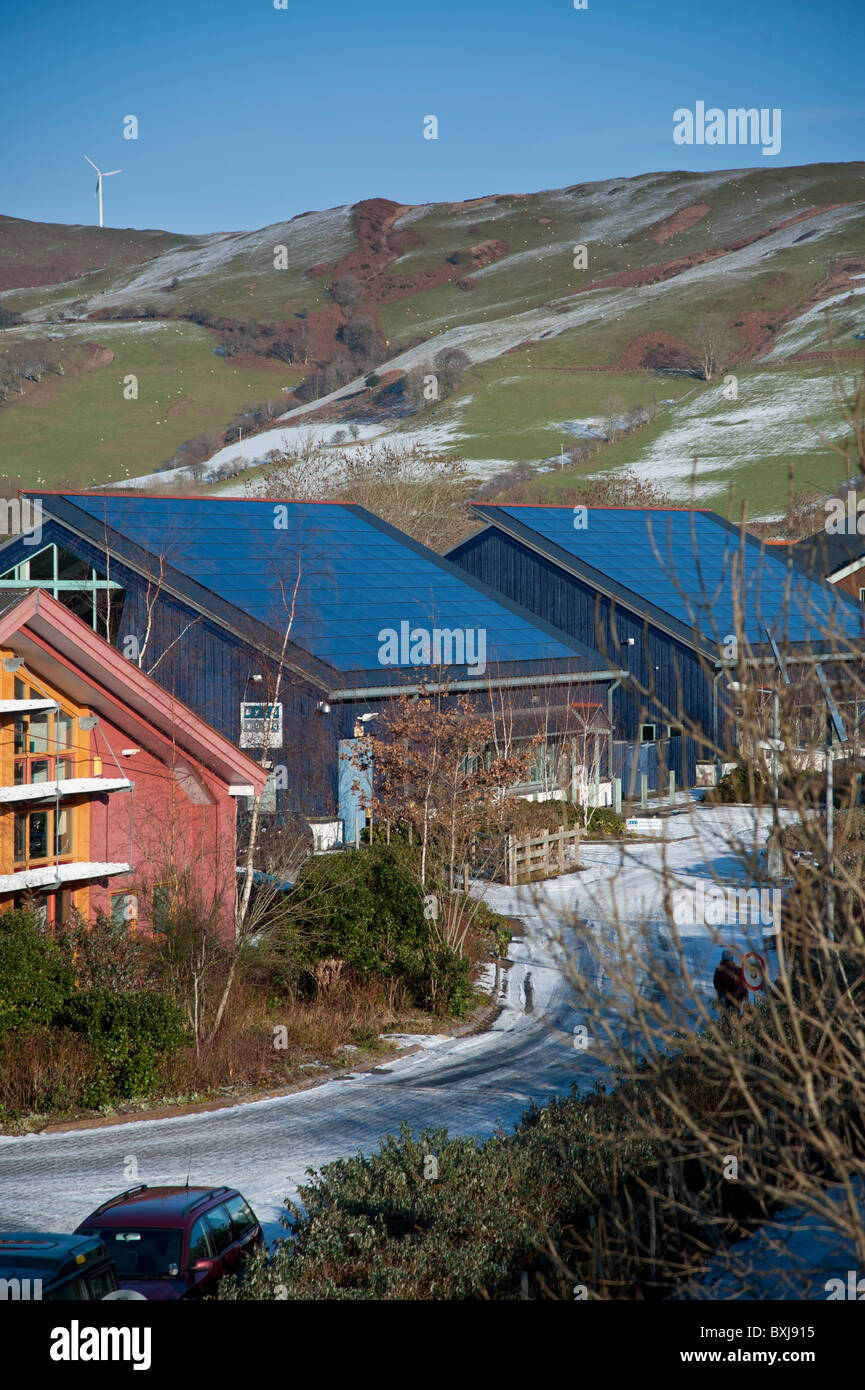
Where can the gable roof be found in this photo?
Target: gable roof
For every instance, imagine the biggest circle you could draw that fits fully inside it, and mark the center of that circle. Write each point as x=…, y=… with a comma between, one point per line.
x=686, y=570
x=64, y=650
x=829, y=557
x=338, y=573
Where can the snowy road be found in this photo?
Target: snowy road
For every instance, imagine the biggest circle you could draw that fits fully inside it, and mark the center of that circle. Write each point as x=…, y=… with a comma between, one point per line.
x=468, y=1085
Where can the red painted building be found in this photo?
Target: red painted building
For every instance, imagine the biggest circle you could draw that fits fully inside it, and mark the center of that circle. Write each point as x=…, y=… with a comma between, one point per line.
x=114, y=797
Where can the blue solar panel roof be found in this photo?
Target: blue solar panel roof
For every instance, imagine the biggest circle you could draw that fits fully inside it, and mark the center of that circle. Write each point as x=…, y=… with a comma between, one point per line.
x=355, y=575
x=692, y=566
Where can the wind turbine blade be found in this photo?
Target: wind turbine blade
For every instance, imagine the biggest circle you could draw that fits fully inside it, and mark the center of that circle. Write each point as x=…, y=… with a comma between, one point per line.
x=92, y=165
x=112, y=171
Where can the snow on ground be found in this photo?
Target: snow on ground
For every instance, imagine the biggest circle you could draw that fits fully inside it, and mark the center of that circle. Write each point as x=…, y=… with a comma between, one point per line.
x=808, y=331
x=253, y=453
x=632, y=208
x=489, y=338
x=467, y=1084
x=723, y=435
x=792, y=1257
x=208, y=255
x=91, y=330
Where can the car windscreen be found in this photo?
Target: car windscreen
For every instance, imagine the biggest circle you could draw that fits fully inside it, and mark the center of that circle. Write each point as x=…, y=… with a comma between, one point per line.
x=143, y=1253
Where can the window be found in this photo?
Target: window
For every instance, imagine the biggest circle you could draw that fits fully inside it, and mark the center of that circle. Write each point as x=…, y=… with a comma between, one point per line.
x=73, y=1291
x=242, y=1219
x=33, y=834
x=124, y=909
x=43, y=752
x=199, y=1243
x=219, y=1225
x=75, y=583
x=37, y=834
x=148, y=1253
x=674, y=731
x=59, y=906
x=648, y=733
x=101, y=1283
x=62, y=731
x=42, y=740
x=63, y=831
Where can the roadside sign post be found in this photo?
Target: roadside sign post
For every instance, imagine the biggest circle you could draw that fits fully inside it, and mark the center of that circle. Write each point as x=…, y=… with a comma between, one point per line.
x=753, y=971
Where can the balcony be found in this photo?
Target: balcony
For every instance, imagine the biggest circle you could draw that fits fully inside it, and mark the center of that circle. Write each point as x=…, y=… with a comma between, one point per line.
x=27, y=706
x=50, y=876
x=69, y=786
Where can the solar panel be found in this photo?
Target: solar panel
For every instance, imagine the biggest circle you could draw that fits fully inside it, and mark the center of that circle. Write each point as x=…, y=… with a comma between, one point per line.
x=694, y=567
x=354, y=579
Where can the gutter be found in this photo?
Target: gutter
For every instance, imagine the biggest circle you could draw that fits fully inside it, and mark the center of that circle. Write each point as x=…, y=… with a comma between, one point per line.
x=817, y=658
x=388, y=692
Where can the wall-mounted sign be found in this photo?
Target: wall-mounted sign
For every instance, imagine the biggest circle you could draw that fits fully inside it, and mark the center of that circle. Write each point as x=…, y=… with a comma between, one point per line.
x=260, y=725
x=644, y=825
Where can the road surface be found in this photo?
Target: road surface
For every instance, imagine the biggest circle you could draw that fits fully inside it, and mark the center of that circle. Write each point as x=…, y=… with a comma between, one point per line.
x=468, y=1085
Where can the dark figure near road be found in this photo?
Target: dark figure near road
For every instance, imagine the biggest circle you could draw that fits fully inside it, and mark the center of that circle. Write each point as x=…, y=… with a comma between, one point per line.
x=729, y=985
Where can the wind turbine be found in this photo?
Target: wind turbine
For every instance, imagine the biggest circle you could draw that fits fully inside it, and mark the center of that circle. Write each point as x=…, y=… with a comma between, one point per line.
x=99, y=177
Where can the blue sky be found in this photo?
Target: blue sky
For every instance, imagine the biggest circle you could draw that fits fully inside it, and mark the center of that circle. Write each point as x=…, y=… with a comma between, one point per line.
x=249, y=114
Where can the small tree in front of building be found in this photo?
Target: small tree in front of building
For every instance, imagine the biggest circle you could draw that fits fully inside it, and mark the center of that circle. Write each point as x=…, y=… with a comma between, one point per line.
x=437, y=774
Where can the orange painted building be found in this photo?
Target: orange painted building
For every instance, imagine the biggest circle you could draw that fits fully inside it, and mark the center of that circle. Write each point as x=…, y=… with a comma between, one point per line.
x=113, y=796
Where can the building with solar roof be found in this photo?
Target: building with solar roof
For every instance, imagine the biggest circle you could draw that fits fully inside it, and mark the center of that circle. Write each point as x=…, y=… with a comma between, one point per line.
x=680, y=598
x=288, y=625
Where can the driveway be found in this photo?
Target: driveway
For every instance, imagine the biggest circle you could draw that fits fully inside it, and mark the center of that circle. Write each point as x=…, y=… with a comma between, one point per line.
x=468, y=1085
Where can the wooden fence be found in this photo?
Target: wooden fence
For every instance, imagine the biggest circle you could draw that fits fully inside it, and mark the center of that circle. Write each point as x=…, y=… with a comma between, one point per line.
x=553, y=851
x=519, y=856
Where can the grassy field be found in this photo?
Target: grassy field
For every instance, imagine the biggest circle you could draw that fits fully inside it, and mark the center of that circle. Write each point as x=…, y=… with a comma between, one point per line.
x=521, y=412
x=707, y=444
x=81, y=428
x=529, y=315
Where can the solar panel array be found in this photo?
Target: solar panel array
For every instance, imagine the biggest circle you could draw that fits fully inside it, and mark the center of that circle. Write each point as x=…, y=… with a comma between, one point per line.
x=693, y=567
x=352, y=579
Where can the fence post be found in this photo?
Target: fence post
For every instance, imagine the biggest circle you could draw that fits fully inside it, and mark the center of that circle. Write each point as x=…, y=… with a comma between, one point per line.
x=644, y=790
x=617, y=795
x=562, y=850
x=672, y=788
x=512, y=868
x=545, y=851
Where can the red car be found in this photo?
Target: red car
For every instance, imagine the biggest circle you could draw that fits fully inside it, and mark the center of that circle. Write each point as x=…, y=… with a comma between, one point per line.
x=175, y=1242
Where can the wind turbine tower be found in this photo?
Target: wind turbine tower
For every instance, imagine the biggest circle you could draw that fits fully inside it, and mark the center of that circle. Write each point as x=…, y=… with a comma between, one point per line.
x=99, y=177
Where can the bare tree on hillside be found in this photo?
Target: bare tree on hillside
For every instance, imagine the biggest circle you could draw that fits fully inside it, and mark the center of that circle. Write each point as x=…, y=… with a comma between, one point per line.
x=709, y=346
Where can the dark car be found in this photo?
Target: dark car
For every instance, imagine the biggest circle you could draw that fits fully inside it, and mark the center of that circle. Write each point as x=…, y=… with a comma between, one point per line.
x=175, y=1242
x=40, y=1265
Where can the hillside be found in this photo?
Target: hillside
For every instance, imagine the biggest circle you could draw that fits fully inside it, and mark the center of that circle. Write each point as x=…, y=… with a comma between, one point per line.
x=734, y=272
